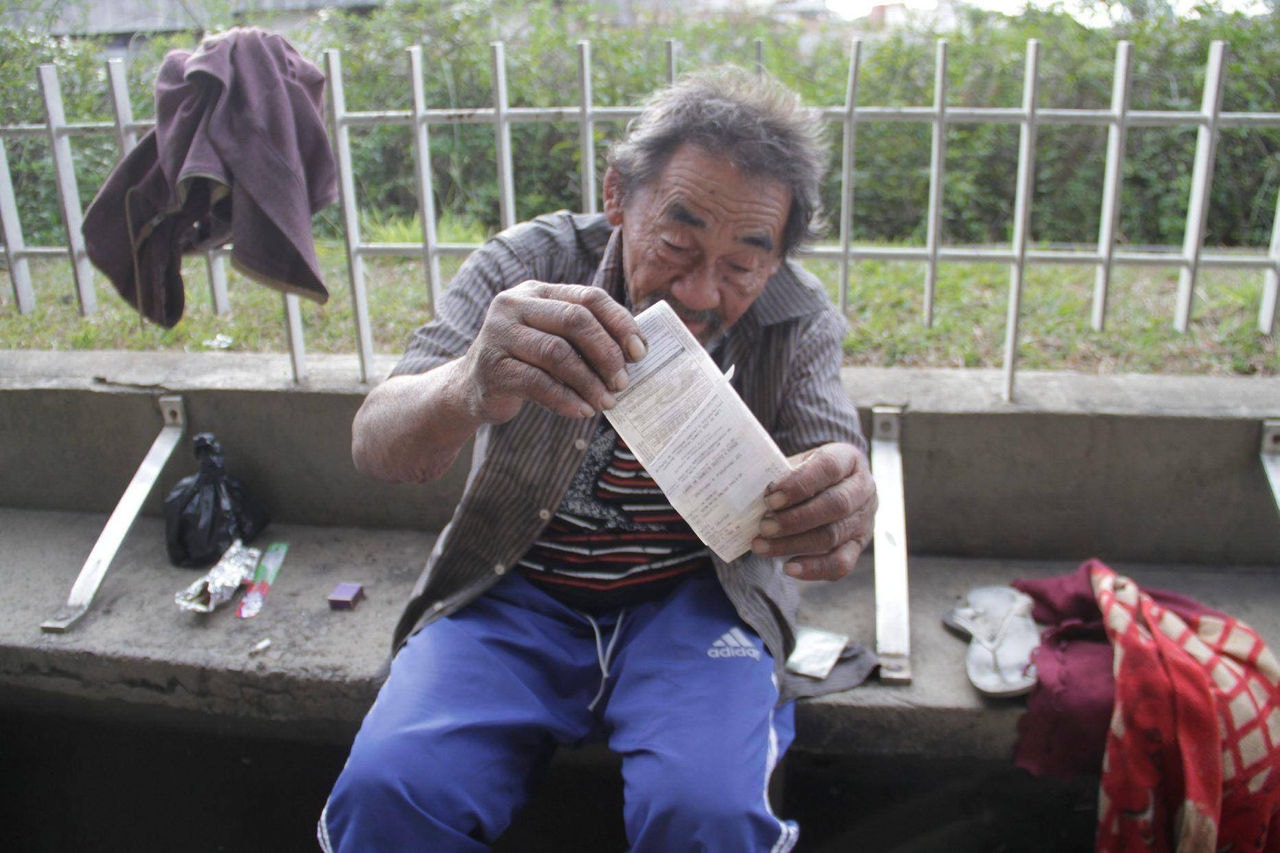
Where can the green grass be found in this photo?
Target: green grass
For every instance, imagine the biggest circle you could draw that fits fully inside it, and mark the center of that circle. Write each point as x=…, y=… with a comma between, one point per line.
x=885, y=314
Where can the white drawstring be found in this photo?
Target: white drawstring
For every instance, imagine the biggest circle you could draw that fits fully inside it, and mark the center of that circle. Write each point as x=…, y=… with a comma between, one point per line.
x=604, y=655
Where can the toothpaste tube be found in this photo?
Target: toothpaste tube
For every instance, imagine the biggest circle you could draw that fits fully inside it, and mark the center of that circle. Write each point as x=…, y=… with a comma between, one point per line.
x=260, y=584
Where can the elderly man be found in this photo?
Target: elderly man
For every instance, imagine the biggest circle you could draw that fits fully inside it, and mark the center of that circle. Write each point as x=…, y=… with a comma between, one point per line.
x=566, y=601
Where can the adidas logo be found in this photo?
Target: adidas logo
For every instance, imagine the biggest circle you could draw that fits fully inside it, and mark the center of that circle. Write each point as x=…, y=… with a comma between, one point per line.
x=733, y=643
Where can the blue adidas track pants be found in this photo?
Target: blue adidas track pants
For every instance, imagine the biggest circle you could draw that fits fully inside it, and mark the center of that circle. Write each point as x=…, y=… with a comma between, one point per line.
x=476, y=703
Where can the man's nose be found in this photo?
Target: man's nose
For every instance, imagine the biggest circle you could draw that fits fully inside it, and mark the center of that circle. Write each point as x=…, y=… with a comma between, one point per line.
x=697, y=288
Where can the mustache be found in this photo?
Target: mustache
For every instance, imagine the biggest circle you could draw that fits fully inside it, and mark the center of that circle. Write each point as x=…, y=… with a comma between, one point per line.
x=711, y=319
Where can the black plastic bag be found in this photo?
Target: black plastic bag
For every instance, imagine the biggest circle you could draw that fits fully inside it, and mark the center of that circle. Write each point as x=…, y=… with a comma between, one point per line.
x=206, y=512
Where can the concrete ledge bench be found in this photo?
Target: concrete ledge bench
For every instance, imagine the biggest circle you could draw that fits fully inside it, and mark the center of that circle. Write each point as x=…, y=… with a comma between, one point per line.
x=137, y=654
x=1159, y=477
x=136, y=650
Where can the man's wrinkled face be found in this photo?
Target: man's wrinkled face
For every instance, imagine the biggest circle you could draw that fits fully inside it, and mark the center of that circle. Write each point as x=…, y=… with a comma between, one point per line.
x=703, y=236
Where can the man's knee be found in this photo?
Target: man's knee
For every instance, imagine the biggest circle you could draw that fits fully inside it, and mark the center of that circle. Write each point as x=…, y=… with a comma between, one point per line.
x=388, y=796
x=702, y=808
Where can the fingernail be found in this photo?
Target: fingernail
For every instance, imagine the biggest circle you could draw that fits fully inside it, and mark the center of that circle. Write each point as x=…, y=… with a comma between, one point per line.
x=760, y=547
x=793, y=569
x=769, y=527
x=775, y=500
x=636, y=347
x=619, y=380
x=607, y=401
x=586, y=411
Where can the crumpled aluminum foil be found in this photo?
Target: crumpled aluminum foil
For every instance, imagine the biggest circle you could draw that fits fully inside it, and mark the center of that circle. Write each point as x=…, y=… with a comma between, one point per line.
x=220, y=584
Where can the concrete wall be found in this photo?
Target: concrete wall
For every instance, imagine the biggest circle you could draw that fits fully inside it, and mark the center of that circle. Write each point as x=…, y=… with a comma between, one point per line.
x=1126, y=468
x=74, y=426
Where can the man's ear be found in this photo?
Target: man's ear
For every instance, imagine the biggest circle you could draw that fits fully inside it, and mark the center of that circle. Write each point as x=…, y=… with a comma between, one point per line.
x=613, y=201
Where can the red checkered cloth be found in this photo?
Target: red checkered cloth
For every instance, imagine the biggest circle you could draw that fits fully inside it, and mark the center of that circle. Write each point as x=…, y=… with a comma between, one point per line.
x=1064, y=731
x=1191, y=760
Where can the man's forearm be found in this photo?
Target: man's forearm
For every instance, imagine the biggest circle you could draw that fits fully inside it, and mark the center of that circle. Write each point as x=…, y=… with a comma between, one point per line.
x=411, y=428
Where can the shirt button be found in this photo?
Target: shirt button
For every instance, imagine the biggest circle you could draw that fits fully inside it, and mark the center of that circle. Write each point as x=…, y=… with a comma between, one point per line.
x=580, y=444
x=544, y=514
x=499, y=569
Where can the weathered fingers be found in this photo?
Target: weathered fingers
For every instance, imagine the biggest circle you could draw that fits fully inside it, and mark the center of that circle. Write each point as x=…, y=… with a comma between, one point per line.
x=821, y=514
x=564, y=347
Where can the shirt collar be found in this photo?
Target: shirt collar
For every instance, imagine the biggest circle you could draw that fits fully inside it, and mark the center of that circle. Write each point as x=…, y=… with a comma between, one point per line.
x=788, y=294
x=609, y=274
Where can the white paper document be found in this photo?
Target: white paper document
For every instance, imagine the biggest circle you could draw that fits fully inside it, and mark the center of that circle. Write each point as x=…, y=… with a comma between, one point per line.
x=696, y=438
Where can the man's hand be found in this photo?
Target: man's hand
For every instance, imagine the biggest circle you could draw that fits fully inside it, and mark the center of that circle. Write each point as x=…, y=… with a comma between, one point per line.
x=562, y=346
x=820, y=514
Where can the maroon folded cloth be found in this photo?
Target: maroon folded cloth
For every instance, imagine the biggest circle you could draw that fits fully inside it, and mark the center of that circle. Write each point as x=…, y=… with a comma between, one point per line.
x=1064, y=731
x=239, y=153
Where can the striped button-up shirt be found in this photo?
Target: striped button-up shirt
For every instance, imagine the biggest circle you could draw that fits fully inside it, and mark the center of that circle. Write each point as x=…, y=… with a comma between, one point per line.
x=786, y=350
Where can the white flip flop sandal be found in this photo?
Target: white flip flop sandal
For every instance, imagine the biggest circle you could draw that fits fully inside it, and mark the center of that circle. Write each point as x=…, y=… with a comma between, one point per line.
x=1002, y=636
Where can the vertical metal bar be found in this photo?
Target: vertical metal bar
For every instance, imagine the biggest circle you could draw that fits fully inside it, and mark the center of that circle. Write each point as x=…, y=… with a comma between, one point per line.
x=215, y=263
x=937, y=171
x=426, y=192
x=586, y=128
x=1022, y=211
x=846, y=171
x=672, y=56
x=11, y=231
x=502, y=131
x=893, y=615
x=759, y=51
x=293, y=327
x=350, y=213
x=1201, y=181
x=1109, y=219
x=1270, y=455
x=68, y=192
x=1271, y=279
x=126, y=136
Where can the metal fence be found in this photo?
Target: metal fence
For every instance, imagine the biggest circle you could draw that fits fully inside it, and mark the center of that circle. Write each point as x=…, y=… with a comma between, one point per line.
x=1104, y=256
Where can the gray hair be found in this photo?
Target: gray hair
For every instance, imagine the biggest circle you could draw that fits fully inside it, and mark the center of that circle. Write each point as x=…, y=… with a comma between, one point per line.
x=750, y=118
